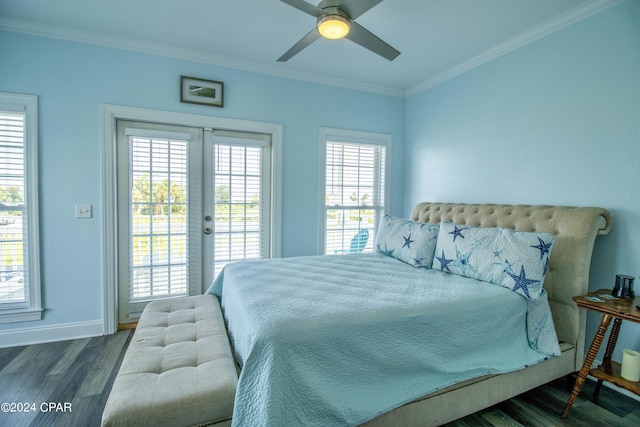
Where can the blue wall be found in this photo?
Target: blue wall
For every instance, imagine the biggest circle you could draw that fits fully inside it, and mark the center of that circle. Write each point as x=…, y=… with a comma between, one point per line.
x=554, y=122
x=73, y=80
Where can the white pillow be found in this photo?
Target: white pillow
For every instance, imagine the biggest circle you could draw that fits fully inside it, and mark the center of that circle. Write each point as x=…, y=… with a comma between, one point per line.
x=409, y=241
x=513, y=259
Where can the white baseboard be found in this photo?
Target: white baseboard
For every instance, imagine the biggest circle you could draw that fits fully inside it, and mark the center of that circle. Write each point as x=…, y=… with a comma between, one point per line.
x=69, y=331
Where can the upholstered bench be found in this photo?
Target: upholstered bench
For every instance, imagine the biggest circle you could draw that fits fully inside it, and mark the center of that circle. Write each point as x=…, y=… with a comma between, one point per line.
x=178, y=369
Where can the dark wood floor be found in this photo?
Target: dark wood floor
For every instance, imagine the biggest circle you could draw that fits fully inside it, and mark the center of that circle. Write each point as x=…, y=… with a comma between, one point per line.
x=78, y=375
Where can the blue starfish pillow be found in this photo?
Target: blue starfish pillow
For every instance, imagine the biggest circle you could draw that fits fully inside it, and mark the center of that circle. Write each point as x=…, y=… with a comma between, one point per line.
x=513, y=259
x=409, y=241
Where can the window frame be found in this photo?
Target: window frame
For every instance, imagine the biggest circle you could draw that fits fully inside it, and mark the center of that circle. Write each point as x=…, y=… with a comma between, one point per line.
x=32, y=309
x=328, y=135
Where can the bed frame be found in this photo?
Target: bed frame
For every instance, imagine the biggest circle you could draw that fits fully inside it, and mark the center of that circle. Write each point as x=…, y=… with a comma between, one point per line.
x=575, y=230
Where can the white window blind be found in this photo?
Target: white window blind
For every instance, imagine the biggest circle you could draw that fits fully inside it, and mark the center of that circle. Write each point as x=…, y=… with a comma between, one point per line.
x=158, y=215
x=19, y=265
x=354, y=193
x=242, y=197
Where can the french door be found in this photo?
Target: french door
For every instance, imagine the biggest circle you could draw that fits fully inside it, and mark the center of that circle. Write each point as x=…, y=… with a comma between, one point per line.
x=190, y=200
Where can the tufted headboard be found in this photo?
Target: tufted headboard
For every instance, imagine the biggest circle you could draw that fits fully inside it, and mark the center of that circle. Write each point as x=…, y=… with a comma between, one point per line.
x=575, y=230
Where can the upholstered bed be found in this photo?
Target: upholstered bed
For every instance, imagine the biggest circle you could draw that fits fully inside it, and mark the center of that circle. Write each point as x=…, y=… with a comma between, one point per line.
x=370, y=339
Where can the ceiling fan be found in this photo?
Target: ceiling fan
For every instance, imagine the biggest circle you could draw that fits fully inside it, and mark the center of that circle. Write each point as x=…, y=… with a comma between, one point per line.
x=335, y=20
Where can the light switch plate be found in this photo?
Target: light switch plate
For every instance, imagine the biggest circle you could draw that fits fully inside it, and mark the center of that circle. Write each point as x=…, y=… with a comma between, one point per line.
x=83, y=211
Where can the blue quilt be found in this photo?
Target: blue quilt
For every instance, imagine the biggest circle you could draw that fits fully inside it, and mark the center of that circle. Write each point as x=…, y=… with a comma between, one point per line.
x=337, y=340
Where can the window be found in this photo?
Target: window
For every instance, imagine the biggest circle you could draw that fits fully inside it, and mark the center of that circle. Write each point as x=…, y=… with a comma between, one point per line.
x=353, y=193
x=19, y=247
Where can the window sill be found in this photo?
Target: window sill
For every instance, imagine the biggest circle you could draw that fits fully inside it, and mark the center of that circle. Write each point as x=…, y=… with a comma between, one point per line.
x=25, y=315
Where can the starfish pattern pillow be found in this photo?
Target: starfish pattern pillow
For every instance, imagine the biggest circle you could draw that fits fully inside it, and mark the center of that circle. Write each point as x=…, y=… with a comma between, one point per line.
x=513, y=259
x=409, y=241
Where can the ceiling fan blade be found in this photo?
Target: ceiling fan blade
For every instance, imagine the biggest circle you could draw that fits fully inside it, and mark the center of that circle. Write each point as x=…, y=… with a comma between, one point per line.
x=312, y=36
x=355, y=8
x=304, y=6
x=365, y=38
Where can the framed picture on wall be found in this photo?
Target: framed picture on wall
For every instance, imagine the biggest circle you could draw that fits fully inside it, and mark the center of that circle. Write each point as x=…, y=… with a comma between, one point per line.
x=200, y=91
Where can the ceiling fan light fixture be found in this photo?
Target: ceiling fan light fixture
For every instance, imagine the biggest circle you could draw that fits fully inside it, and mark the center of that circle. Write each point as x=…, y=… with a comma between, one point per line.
x=333, y=26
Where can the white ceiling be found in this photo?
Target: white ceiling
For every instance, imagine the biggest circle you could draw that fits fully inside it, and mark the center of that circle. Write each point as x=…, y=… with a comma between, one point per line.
x=437, y=38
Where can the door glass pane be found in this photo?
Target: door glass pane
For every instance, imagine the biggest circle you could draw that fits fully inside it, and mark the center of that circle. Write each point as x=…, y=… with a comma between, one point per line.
x=158, y=218
x=239, y=204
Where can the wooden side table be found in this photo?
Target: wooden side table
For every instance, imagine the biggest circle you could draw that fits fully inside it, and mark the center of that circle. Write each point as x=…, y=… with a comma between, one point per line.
x=620, y=309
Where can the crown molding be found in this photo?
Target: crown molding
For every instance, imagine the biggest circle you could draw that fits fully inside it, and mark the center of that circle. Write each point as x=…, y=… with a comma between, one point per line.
x=573, y=15
x=159, y=49
x=576, y=14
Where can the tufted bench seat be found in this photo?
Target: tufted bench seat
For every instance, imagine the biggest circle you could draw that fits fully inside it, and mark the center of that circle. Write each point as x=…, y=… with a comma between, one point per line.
x=178, y=369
